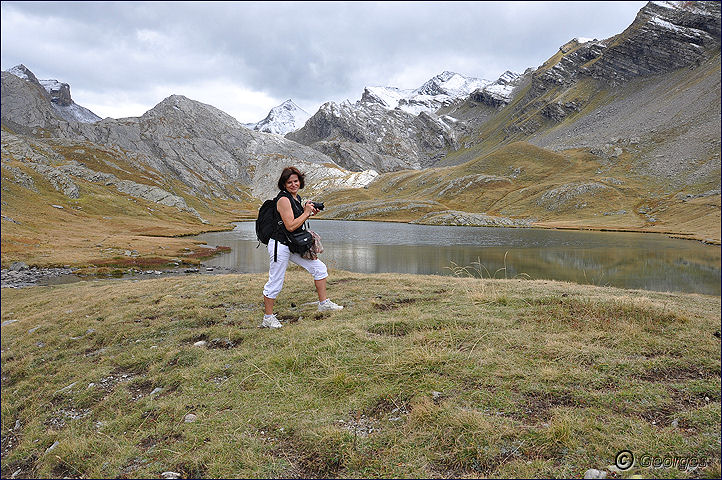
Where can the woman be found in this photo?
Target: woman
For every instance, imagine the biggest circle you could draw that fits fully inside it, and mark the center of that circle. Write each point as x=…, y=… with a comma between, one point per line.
x=294, y=215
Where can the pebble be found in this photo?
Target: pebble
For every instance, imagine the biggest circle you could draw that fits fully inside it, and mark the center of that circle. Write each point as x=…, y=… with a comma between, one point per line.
x=190, y=418
x=66, y=388
x=170, y=475
x=52, y=447
x=594, y=473
x=20, y=275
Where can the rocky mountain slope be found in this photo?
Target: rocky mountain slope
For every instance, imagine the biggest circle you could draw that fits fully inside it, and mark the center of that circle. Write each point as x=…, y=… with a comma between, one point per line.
x=286, y=117
x=180, y=168
x=59, y=94
x=183, y=140
x=636, y=118
x=392, y=129
x=626, y=94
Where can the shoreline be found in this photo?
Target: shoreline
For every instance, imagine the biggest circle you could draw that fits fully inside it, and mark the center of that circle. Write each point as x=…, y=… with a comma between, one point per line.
x=48, y=268
x=542, y=226
x=48, y=278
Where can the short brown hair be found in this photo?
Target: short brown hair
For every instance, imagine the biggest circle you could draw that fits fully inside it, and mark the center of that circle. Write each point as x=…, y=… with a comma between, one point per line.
x=286, y=174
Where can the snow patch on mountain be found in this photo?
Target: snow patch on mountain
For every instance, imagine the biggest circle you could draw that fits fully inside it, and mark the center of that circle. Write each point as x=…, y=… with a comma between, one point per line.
x=19, y=71
x=690, y=6
x=354, y=180
x=77, y=113
x=51, y=85
x=59, y=96
x=501, y=89
x=439, y=91
x=286, y=117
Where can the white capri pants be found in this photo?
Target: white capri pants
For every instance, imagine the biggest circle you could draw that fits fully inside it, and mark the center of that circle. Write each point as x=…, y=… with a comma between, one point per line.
x=277, y=270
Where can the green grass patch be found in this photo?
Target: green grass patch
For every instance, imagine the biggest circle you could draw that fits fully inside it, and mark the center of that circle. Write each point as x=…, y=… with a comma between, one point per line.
x=416, y=377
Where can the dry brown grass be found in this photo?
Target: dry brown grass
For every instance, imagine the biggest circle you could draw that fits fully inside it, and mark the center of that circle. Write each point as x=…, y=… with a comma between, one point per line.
x=418, y=377
x=102, y=224
x=540, y=171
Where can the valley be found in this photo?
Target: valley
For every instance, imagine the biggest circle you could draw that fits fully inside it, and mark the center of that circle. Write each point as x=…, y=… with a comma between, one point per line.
x=598, y=137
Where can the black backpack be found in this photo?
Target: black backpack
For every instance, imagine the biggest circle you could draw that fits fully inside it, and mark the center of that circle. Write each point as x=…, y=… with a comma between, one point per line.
x=268, y=222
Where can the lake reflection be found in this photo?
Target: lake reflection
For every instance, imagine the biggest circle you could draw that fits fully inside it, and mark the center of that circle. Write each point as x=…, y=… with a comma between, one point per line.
x=626, y=260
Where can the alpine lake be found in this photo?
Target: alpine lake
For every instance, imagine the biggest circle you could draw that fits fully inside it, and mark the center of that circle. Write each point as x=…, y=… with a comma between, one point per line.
x=619, y=259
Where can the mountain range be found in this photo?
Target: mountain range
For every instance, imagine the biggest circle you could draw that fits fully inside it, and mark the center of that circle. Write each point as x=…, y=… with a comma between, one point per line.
x=439, y=91
x=619, y=133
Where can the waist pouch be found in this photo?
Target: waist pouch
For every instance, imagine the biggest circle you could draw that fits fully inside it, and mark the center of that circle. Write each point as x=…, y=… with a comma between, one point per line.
x=299, y=241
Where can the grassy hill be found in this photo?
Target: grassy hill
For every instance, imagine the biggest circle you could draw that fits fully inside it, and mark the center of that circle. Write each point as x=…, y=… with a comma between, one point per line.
x=554, y=189
x=417, y=377
x=43, y=226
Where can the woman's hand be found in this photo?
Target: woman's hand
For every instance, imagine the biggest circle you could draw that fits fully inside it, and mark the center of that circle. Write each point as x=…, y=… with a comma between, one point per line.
x=310, y=209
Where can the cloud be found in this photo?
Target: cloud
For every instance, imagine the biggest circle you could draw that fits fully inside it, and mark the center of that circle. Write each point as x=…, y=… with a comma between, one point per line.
x=250, y=56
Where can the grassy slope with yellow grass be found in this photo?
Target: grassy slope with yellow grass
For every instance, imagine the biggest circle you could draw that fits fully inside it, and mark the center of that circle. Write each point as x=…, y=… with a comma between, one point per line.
x=103, y=223
x=501, y=143
x=417, y=377
x=520, y=194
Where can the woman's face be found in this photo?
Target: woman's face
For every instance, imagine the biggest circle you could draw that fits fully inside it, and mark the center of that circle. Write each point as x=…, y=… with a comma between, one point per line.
x=293, y=184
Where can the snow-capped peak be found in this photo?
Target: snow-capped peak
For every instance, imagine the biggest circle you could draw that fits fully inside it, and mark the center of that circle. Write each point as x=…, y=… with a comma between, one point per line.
x=20, y=71
x=432, y=95
x=451, y=84
x=282, y=119
x=501, y=89
x=59, y=95
x=387, y=97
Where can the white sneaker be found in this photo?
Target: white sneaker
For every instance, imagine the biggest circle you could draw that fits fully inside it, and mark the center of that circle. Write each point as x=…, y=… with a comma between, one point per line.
x=270, y=322
x=328, y=305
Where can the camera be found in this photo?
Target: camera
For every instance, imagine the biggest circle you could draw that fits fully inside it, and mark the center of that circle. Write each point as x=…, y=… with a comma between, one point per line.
x=318, y=205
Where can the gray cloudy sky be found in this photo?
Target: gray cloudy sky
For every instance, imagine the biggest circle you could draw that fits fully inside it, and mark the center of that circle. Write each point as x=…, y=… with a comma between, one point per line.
x=122, y=58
